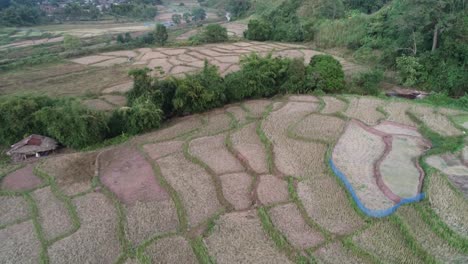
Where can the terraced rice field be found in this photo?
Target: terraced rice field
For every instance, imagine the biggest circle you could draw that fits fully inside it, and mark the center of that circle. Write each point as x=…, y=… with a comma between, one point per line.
x=248, y=183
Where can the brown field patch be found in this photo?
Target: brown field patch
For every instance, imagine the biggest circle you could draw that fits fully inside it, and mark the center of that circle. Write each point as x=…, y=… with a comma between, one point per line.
x=336, y=253
x=232, y=68
x=72, y=172
x=91, y=59
x=384, y=239
x=98, y=105
x=239, y=238
x=365, y=109
x=239, y=113
x=290, y=54
x=115, y=99
x=119, y=88
x=242, y=44
x=163, y=63
x=111, y=62
x=148, y=219
x=397, y=113
x=187, y=58
x=247, y=143
x=162, y=149
x=331, y=208
x=19, y=244
x=451, y=207
x=193, y=184
x=288, y=219
x=13, y=208
x=53, y=215
x=222, y=67
x=171, y=250
x=397, y=129
x=257, y=107
x=236, y=189
x=333, y=105
x=176, y=128
x=320, y=127
x=355, y=155
x=435, y=121
x=181, y=70
x=173, y=52
x=432, y=243
x=121, y=53
x=21, y=180
x=228, y=59
x=153, y=55
x=208, y=52
x=213, y=152
x=304, y=98
x=96, y=241
x=271, y=190
x=129, y=176
x=400, y=169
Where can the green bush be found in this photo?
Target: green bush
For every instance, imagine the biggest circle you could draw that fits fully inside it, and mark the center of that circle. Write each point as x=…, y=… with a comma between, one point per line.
x=297, y=80
x=258, y=30
x=368, y=82
x=160, y=34
x=199, y=92
x=327, y=73
x=411, y=71
x=214, y=33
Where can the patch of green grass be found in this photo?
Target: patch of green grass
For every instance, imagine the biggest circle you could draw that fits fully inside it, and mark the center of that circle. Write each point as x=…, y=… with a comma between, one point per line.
x=200, y=250
x=43, y=258
x=266, y=141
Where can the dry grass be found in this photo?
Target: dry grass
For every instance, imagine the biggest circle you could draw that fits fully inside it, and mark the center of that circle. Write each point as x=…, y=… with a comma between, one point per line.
x=19, y=244
x=451, y=207
x=333, y=105
x=119, y=88
x=385, y=240
x=248, y=144
x=397, y=129
x=239, y=114
x=288, y=219
x=319, y=127
x=304, y=98
x=433, y=244
x=216, y=123
x=330, y=209
x=397, y=112
x=194, y=186
x=271, y=190
x=92, y=59
x=162, y=149
x=398, y=169
x=171, y=250
x=239, y=238
x=12, y=209
x=96, y=241
x=336, y=253
x=355, y=155
x=111, y=62
x=213, y=152
x=21, y=180
x=257, y=107
x=437, y=122
x=236, y=189
x=115, y=99
x=175, y=128
x=53, y=214
x=365, y=109
x=72, y=172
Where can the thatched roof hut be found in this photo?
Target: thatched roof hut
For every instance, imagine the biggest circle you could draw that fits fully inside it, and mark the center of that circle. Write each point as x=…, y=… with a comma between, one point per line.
x=34, y=145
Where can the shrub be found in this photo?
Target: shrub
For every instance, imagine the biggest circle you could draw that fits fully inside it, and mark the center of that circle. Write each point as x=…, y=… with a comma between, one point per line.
x=297, y=81
x=199, y=92
x=258, y=30
x=327, y=73
x=71, y=42
x=160, y=34
x=72, y=124
x=411, y=71
x=368, y=82
x=198, y=14
x=214, y=33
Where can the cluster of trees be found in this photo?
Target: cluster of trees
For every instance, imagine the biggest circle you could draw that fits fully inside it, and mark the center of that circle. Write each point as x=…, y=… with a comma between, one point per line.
x=152, y=100
x=138, y=10
x=20, y=13
x=212, y=33
x=197, y=14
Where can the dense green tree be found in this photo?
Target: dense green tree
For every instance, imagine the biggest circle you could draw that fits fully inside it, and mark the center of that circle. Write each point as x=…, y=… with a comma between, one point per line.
x=71, y=42
x=160, y=34
x=187, y=17
x=238, y=8
x=177, y=19
x=327, y=73
x=258, y=30
x=198, y=14
x=214, y=33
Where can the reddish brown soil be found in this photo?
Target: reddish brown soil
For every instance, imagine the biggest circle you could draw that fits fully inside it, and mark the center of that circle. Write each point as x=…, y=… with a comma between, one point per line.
x=21, y=180
x=127, y=174
x=272, y=190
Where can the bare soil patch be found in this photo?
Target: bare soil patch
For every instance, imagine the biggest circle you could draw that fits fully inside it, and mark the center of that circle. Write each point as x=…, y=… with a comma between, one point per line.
x=384, y=239
x=122, y=53
x=333, y=105
x=304, y=98
x=397, y=113
x=127, y=174
x=111, y=62
x=19, y=244
x=194, y=186
x=178, y=70
x=239, y=113
x=451, y=207
x=365, y=109
x=21, y=180
x=288, y=219
x=159, y=150
x=72, y=172
x=320, y=127
x=239, y=238
x=176, y=128
x=98, y=104
x=336, y=253
x=290, y=54
x=148, y=219
x=96, y=241
x=355, y=155
x=171, y=250
x=153, y=55
x=455, y=168
x=117, y=100
x=432, y=243
x=13, y=208
x=400, y=169
x=331, y=208
x=236, y=189
x=53, y=215
x=228, y=59
x=247, y=143
x=92, y=59
x=271, y=190
x=437, y=122
x=172, y=52
x=257, y=107
x=213, y=152
x=398, y=129
x=119, y=88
